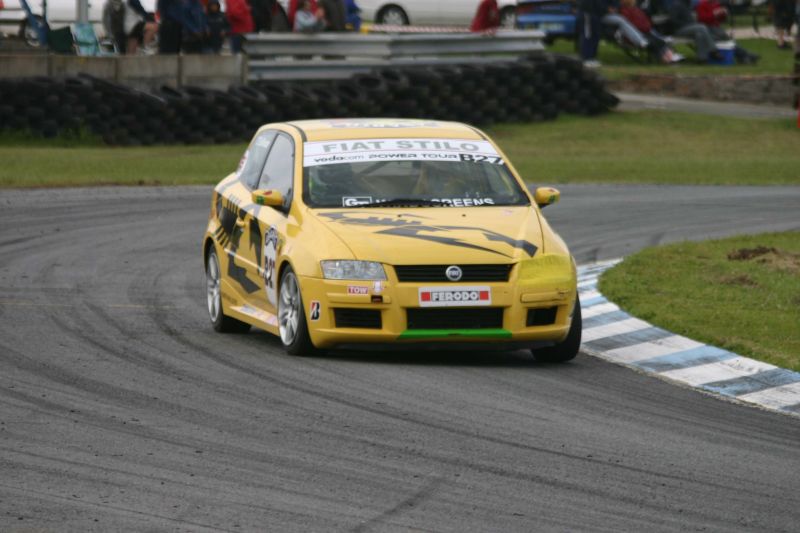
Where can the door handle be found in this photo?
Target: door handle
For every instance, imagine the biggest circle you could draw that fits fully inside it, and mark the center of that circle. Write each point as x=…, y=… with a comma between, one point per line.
x=240, y=222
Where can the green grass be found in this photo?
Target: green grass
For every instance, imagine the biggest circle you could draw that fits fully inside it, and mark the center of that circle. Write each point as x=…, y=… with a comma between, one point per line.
x=621, y=147
x=64, y=163
x=617, y=65
x=654, y=147
x=748, y=306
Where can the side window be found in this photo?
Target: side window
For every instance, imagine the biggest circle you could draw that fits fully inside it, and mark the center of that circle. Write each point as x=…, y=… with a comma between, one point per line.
x=253, y=160
x=278, y=172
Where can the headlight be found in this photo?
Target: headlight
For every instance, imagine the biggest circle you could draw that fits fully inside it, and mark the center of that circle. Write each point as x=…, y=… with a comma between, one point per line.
x=356, y=270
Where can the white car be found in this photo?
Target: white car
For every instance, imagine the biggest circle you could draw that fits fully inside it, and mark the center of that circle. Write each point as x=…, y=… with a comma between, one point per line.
x=426, y=12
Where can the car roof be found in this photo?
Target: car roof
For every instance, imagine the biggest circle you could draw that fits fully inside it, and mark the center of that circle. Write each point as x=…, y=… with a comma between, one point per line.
x=389, y=128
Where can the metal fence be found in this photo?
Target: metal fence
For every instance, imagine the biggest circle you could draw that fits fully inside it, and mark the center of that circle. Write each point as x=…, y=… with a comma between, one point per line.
x=340, y=55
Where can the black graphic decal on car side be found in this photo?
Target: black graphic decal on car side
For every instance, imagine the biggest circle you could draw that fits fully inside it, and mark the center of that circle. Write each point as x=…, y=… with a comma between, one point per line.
x=231, y=235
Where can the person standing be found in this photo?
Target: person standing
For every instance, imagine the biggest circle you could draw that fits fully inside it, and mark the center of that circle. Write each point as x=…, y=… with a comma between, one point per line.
x=195, y=28
x=487, y=17
x=140, y=26
x=261, y=12
x=335, y=19
x=783, y=15
x=217, y=27
x=170, y=29
x=241, y=22
x=590, y=15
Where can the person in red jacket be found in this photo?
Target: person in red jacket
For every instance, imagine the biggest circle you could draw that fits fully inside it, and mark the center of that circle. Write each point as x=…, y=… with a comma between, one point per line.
x=487, y=18
x=712, y=14
x=240, y=20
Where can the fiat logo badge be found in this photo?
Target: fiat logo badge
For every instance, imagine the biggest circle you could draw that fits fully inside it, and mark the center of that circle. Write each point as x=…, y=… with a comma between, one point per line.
x=453, y=273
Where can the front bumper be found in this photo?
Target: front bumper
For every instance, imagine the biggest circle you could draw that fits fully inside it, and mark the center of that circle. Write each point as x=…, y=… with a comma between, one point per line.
x=384, y=313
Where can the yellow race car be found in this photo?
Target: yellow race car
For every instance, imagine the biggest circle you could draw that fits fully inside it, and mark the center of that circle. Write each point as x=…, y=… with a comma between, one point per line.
x=344, y=232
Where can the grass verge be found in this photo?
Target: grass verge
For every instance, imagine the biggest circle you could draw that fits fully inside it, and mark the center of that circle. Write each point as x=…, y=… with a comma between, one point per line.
x=622, y=147
x=617, y=65
x=741, y=293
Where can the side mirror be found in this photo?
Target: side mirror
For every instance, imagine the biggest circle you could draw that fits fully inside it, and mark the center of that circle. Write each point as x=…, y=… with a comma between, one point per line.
x=269, y=197
x=545, y=196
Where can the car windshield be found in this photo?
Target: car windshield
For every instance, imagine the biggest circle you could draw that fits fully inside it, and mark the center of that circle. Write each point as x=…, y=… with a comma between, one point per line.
x=390, y=172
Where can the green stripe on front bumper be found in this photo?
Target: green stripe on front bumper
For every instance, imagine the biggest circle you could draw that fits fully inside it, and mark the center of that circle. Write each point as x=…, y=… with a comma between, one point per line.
x=488, y=333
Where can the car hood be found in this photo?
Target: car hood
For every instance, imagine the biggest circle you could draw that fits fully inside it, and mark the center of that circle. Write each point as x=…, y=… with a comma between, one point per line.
x=437, y=235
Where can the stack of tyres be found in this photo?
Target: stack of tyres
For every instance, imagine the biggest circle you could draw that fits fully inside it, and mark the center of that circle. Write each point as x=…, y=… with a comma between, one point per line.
x=533, y=88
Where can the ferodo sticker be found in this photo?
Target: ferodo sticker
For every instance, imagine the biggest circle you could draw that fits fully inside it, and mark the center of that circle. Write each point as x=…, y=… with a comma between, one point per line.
x=373, y=150
x=454, y=296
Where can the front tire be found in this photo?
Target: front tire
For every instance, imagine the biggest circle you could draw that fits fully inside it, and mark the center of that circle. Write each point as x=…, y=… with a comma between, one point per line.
x=292, y=316
x=219, y=320
x=392, y=16
x=567, y=349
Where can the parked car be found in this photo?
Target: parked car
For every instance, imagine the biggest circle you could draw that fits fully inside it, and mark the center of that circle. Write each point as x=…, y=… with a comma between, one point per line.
x=425, y=12
x=556, y=18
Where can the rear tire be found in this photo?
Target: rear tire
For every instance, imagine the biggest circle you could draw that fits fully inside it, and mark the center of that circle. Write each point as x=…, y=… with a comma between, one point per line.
x=219, y=320
x=567, y=349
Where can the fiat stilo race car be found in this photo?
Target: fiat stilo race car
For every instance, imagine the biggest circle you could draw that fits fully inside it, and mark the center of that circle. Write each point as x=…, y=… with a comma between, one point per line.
x=335, y=233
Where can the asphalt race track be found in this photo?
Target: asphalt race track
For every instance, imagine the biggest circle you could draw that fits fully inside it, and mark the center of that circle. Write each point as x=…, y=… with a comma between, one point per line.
x=121, y=409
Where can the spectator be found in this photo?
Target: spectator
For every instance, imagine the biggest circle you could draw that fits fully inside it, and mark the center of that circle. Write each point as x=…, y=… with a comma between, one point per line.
x=334, y=14
x=656, y=44
x=114, y=23
x=352, y=15
x=217, y=27
x=590, y=12
x=487, y=17
x=307, y=21
x=622, y=26
x=680, y=16
x=261, y=12
x=140, y=26
x=783, y=15
x=195, y=28
x=240, y=21
x=170, y=28
x=293, y=6
x=712, y=14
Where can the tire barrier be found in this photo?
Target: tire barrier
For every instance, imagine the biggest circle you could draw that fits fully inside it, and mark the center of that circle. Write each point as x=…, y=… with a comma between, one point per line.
x=534, y=88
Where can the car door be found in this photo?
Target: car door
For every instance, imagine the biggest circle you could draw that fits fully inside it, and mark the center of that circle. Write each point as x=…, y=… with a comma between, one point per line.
x=268, y=229
x=236, y=219
x=456, y=12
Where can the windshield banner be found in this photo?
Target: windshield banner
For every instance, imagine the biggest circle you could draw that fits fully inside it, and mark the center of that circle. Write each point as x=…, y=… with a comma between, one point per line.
x=376, y=150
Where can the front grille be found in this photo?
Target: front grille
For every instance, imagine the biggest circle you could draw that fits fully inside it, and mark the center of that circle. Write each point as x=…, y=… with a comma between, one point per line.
x=412, y=273
x=490, y=317
x=541, y=317
x=357, y=318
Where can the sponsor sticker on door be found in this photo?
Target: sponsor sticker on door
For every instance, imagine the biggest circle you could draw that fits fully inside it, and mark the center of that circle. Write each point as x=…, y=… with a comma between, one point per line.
x=455, y=296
